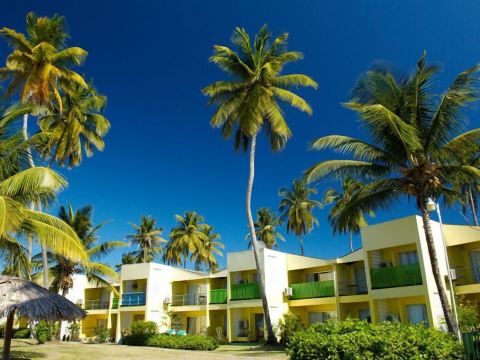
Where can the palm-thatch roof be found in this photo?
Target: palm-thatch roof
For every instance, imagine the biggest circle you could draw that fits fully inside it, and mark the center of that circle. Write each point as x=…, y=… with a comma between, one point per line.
x=34, y=302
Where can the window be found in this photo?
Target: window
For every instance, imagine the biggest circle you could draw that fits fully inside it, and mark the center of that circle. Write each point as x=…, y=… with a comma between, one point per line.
x=316, y=317
x=408, y=257
x=417, y=314
x=475, y=260
x=364, y=314
x=319, y=276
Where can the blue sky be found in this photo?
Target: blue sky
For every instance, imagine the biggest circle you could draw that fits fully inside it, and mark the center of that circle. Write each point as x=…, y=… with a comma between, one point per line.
x=151, y=60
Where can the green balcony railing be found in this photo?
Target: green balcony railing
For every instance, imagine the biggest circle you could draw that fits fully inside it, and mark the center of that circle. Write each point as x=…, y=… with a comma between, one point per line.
x=395, y=276
x=315, y=289
x=218, y=296
x=115, y=303
x=245, y=291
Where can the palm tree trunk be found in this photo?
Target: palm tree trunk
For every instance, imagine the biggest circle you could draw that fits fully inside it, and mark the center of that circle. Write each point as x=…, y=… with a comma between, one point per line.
x=31, y=163
x=449, y=320
x=8, y=336
x=300, y=240
x=472, y=206
x=271, y=339
x=29, y=238
x=350, y=239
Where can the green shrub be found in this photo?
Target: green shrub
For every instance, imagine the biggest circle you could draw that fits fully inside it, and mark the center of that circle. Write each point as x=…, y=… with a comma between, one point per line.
x=289, y=325
x=358, y=340
x=22, y=333
x=102, y=334
x=188, y=342
x=468, y=314
x=43, y=331
x=146, y=328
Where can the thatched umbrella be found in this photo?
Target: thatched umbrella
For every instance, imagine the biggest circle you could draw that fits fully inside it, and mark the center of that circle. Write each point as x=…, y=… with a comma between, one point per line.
x=31, y=301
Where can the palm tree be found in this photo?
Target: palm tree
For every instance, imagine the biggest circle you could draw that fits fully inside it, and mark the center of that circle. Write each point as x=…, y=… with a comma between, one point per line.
x=352, y=223
x=210, y=247
x=265, y=228
x=249, y=102
x=62, y=269
x=415, y=136
x=147, y=238
x=127, y=259
x=39, y=67
x=80, y=122
x=296, y=208
x=186, y=238
x=468, y=192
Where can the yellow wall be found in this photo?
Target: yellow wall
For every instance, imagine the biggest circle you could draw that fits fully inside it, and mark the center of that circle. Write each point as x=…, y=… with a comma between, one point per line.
x=352, y=310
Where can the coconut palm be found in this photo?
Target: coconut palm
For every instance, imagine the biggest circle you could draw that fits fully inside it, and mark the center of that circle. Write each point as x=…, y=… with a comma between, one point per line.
x=296, y=208
x=468, y=192
x=249, y=101
x=127, y=259
x=147, y=238
x=414, y=138
x=186, y=238
x=80, y=122
x=265, y=228
x=340, y=224
x=62, y=269
x=38, y=68
x=206, y=253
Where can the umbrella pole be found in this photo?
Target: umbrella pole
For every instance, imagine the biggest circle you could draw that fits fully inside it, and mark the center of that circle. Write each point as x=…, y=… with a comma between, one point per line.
x=8, y=335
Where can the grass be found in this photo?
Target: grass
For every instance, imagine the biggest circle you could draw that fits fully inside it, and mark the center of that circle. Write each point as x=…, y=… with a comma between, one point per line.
x=28, y=349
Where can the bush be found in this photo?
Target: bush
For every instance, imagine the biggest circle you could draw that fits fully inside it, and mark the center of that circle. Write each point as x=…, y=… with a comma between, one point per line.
x=289, y=325
x=43, y=331
x=103, y=334
x=146, y=328
x=22, y=333
x=468, y=314
x=188, y=342
x=358, y=340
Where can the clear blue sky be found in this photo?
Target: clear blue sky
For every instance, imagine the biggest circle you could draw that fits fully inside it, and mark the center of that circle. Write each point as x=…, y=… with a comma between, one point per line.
x=151, y=59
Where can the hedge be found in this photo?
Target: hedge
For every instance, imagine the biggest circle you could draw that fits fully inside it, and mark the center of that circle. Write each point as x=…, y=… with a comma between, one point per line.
x=358, y=340
x=188, y=342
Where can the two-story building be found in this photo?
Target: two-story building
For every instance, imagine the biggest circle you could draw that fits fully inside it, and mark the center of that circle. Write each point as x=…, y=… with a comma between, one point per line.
x=389, y=279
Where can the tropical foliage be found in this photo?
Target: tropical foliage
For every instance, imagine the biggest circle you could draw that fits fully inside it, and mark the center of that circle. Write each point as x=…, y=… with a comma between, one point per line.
x=80, y=122
x=266, y=228
x=249, y=101
x=296, y=208
x=147, y=239
x=415, y=139
x=62, y=269
x=345, y=224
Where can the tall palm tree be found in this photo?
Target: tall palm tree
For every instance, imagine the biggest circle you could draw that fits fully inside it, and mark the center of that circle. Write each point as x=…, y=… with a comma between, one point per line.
x=80, y=122
x=62, y=269
x=265, y=228
x=186, y=238
x=147, y=238
x=249, y=101
x=352, y=223
x=296, y=208
x=38, y=68
x=415, y=136
x=127, y=259
x=210, y=247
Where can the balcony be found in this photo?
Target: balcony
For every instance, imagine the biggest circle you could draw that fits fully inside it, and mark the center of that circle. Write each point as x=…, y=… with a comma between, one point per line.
x=189, y=299
x=96, y=304
x=133, y=299
x=218, y=296
x=245, y=291
x=396, y=276
x=467, y=275
x=347, y=288
x=115, y=303
x=315, y=289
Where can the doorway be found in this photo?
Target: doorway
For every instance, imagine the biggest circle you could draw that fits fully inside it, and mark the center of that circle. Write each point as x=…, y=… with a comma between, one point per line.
x=259, y=327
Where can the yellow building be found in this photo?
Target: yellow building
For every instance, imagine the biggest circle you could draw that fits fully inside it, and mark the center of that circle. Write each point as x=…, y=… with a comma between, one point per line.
x=388, y=279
